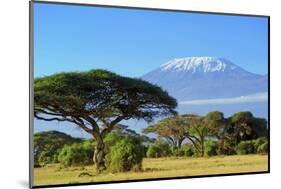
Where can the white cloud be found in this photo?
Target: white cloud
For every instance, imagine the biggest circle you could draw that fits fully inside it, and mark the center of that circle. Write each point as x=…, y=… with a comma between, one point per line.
x=258, y=97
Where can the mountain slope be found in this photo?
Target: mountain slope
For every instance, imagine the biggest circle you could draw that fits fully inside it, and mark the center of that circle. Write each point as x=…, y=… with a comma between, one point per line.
x=204, y=78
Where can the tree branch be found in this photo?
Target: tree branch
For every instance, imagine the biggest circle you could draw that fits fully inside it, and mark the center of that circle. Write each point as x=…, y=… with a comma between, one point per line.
x=109, y=126
x=50, y=119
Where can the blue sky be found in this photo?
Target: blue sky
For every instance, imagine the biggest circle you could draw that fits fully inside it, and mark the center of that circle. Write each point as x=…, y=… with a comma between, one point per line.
x=134, y=42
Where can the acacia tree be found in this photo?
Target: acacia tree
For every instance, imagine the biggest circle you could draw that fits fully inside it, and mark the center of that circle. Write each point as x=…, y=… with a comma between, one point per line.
x=171, y=128
x=97, y=100
x=195, y=128
x=201, y=127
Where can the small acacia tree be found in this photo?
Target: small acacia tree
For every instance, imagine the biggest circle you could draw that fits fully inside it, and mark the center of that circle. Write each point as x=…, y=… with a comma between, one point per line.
x=200, y=127
x=96, y=101
x=195, y=128
x=172, y=129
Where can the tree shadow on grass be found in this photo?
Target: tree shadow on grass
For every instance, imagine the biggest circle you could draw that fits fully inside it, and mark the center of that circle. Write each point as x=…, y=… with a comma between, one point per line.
x=154, y=169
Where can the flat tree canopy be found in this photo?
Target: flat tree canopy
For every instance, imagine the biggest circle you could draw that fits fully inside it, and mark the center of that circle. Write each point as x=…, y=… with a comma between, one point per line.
x=97, y=100
x=173, y=129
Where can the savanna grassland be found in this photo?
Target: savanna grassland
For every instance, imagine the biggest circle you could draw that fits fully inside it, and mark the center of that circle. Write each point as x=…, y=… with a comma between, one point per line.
x=185, y=144
x=154, y=168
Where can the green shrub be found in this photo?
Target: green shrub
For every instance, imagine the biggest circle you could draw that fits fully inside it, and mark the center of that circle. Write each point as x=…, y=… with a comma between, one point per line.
x=48, y=144
x=158, y=150
x=111, y=139
x=245, y=147
x=226, y=147
x=185, y=150
x=125, y=155
x=154, y=151
x=176, y=151
x=165, y=149
x=263, y=148
x=261, y=145
x=45, y=158
x=211, y=148
x=77, y=154
x=188, y=150
x=145, y=149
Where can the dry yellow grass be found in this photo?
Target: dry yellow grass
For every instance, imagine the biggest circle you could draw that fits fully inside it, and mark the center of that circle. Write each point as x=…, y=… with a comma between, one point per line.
x=155, y=168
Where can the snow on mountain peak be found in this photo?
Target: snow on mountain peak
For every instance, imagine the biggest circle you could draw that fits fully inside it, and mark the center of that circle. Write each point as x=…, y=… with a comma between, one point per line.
x=198, y=64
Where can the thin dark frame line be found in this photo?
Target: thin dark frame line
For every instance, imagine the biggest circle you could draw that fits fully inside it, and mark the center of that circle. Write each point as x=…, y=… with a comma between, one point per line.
x=147, y=8
x=31, y=62
x=268, y=84
x=31, y=77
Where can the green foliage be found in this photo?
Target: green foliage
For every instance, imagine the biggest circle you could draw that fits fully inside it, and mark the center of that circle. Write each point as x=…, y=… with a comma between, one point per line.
x=176, y=151
x=244, y=126
x=263, y=148
x=259, y=141
x=195, y=128
x=226, y=147
x=261, y=145
x=241, y=126
x=216, y=124
x=125, y=155
x=188, y=150
x=77, y=154
x=154, y=151
x=48, y=144
x=101, y=90
x=245, y=147
x=111, y=139
x=184, y=150
x=211, y=148
x=158, y=149
x=172, y=129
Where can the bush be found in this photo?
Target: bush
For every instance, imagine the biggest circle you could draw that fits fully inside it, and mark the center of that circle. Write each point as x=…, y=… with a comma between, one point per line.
x=261, y=145
x=77, y=154
x=110, y=140
x=158, y=150
x=165, y=149
x=176, y=151
x=45, y=158
x=211, y=148
x=245, y=147
x=259, y=141
x=226, y=147
x=185, y=150
x=48, y=144
x=188, y=150
x=125, y=155
x=153, y=151
x=263, y=148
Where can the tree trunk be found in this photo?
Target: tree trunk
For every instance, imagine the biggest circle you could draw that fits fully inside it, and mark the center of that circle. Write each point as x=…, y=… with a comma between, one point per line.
x=99, y=154
x=202, y=147
x=180, y=142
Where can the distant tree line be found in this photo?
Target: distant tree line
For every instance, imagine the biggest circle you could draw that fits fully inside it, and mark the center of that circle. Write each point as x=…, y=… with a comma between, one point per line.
x=209, y=135
x=178, y=136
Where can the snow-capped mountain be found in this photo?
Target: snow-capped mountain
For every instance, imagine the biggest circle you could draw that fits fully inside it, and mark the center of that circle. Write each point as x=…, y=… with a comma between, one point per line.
x=205, y=78
x=197, y=64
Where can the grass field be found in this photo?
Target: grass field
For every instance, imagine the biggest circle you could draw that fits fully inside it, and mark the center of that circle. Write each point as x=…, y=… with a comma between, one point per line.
x=154, y=168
